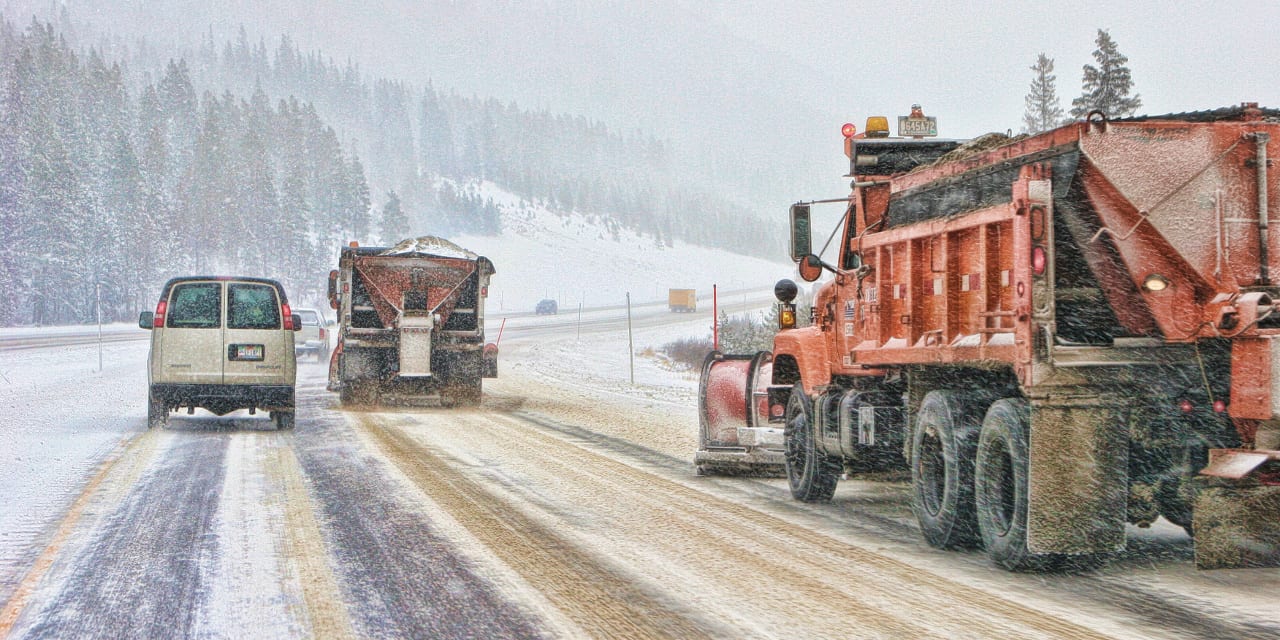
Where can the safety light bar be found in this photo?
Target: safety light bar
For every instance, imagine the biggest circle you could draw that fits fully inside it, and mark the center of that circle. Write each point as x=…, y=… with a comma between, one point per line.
x=877, y=127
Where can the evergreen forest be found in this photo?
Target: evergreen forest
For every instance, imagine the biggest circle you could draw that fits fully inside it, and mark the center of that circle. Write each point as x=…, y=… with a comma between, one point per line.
x=122, y=165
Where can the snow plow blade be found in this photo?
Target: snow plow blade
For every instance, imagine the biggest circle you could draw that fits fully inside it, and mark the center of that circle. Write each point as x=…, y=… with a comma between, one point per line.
x=1237, y=510
x=734, y=434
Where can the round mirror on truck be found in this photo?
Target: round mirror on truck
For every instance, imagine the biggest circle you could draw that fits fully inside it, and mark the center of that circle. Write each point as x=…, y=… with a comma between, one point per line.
x=810, y=268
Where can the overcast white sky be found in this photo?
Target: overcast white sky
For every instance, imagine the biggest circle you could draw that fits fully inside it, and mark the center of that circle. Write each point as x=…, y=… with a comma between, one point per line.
x=755, y=86
x=968, y=62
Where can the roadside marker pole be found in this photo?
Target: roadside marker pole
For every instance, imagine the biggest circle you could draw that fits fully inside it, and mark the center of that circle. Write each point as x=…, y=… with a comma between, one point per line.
x=631, y=350
x=715, y=320
x=97, y=292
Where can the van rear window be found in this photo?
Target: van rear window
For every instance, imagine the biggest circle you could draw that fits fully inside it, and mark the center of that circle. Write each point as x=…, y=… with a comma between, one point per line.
x=252, y=306
x=197, y=305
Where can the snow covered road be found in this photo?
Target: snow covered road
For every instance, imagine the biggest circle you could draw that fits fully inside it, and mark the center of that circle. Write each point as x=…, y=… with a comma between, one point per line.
x=564, y=506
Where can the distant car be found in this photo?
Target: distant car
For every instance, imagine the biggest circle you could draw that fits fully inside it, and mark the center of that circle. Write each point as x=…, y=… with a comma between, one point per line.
x=546, y=307
x=313, y=338
x=221, y=344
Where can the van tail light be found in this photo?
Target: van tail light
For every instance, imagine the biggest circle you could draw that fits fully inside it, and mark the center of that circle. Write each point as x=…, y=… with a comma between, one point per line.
x=161, y=308
x=288, y=316
x=324, y=335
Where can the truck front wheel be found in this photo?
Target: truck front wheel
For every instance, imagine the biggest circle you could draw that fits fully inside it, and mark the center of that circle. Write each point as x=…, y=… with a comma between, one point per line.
x=812, y=475
x=942, y=452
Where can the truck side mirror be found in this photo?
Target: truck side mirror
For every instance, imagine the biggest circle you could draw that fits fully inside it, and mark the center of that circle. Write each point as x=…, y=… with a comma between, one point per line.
x=333, y=289
x=810, y=268
x=801, y=243
x=297, y=322
x=146, y=319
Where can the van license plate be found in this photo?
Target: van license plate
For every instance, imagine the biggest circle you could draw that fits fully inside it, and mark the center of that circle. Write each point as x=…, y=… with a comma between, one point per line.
x=245, y=352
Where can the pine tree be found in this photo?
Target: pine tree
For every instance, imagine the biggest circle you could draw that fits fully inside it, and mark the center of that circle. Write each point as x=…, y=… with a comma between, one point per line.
x=395, y=224
x=1106, y=87
x=358, y=193
x=1043, y=111
x=435, y=136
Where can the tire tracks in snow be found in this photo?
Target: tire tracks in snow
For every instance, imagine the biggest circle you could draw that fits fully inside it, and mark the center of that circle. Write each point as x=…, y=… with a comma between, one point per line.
x=140, y=449
x=687, y=539
x=584, y=588
x=143, y=566
x=306, y=552
x=400, y=577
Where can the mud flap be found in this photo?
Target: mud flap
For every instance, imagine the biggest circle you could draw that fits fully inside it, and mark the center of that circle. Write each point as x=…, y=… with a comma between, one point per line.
x=1078, y=475
x=490, y=361
x=1237, y=527
x=1237, y=510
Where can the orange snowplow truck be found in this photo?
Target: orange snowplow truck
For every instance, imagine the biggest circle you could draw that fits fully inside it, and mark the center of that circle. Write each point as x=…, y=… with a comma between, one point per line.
x=411, y=324
x=1056, y=334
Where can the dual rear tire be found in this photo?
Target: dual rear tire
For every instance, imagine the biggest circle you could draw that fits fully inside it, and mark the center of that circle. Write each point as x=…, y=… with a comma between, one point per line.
x=970, y=479
x=1000, y=490
x=943, y=445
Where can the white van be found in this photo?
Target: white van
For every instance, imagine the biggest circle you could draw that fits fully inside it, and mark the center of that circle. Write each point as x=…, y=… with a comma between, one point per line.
x=313, y=338
x=221, y=343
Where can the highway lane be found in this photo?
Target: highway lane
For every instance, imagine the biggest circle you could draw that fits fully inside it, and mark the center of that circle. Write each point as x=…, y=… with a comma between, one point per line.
x=564, y=506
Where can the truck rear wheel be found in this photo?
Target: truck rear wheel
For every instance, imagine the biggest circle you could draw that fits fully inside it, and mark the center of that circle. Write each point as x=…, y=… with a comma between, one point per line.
x=464, y=393
x=463, y=379
x=944, y=441
x=1000, y=489
x=358, y=392
x=1001, y=493
x=812, y=475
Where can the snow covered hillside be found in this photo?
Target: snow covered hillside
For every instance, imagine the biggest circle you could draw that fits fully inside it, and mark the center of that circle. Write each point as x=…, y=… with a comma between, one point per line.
x=576, y=260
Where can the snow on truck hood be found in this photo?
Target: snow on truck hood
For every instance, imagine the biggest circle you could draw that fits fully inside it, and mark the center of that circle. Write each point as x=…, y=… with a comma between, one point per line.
x=430, y=245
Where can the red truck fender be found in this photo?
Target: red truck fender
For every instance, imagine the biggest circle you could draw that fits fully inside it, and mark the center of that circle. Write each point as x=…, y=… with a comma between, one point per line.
x=807, y=349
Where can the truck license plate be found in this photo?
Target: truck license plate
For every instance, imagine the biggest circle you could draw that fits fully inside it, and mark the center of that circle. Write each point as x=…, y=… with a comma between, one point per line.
x=246, y=352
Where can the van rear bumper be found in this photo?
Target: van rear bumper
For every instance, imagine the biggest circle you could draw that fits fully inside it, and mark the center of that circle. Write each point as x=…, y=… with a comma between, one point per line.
x=224, y=398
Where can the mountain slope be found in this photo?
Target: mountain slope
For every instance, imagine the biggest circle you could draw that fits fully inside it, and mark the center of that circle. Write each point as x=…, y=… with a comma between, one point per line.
x=576, y=260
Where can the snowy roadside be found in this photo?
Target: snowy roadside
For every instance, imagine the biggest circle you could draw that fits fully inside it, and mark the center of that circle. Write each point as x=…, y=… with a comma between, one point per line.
x=62, y=418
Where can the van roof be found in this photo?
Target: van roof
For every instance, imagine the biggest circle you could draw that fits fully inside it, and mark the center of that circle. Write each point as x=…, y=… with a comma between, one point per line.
x=164, y=293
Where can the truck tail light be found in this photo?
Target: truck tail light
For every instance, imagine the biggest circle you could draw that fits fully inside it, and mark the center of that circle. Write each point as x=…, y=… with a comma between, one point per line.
x=1039, y=261
x=288, y=316
x=161, y=308
x=324, y=335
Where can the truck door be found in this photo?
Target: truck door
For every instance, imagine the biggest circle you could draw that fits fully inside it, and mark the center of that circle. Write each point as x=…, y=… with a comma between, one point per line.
x=190, y=344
